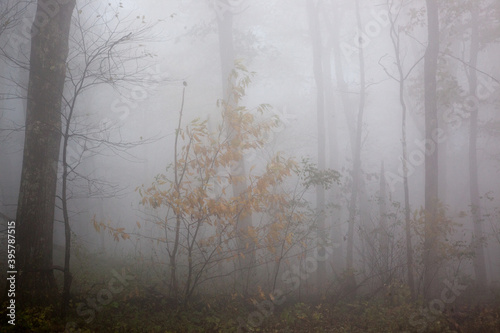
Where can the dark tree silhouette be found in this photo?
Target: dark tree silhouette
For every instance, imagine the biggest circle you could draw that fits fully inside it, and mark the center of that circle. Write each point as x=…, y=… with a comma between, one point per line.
x=35, y=211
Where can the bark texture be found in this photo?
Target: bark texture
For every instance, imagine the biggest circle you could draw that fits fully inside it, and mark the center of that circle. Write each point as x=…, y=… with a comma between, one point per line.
x=35, y=211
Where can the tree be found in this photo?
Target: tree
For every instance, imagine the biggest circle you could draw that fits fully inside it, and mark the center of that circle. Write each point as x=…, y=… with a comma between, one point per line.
x=431, y=156
x=383, y=236
x=356, y=166
x=198, y=224
x=315, y=31
x=227, y=56
x=477, y=217
x=332, y=52
x=108, y=57
x=476, y=29
x=401, y=77
x=11, y=13
x=354, y=124
x=342, y=86
x=35, y=211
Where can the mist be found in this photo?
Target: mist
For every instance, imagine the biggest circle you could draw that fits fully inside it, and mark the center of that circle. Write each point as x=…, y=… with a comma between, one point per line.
x=236, y=165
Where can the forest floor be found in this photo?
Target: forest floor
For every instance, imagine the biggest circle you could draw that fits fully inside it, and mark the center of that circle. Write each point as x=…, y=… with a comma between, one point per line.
x=151, y=313
x=107, y=300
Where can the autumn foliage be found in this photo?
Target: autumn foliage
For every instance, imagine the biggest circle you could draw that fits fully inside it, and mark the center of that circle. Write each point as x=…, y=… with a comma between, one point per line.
x=199, y=213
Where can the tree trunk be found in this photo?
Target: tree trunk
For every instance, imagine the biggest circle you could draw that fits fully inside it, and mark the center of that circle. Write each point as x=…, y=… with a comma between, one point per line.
x=479, y=262
x=396, y=42
x=174, y=288
x=338, y=258
x=67, y=228
x=245, y=243
x=35, y=211
x=356, y=168
x=431, y=157
x=383, y=230
x=320, y=116
x=334, y=216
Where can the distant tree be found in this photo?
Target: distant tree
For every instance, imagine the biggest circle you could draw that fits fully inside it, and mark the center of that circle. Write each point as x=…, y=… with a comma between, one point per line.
x=225, y=16
x=332, y=54
x=477, y=218
x=396, y=30
x=35, y=211
x=431, y=158
x=11, y=19
x=356, y=166
x=474, y=31
x=384, y=236
x=313, y=9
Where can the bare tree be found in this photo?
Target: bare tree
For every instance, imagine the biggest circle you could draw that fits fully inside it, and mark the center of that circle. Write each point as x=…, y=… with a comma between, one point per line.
x=315, y=31
x=431, y=158
x=332, y=54
x=401, y=77
x=103, y=50
x=108, y=57
x=11, y=13
x=356, y=167
x=477, y=218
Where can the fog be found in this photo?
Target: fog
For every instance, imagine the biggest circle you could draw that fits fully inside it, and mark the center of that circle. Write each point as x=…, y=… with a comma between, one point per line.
x=260, y=165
